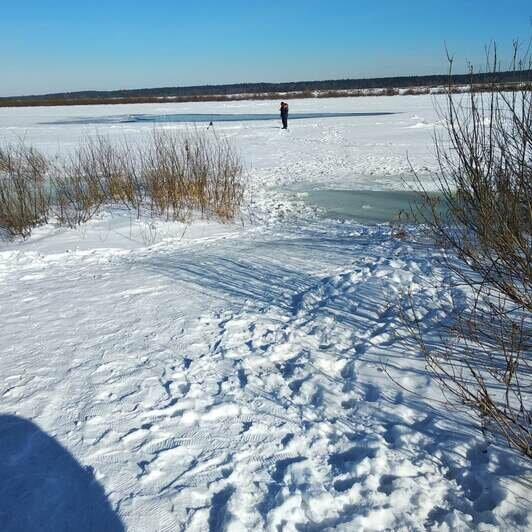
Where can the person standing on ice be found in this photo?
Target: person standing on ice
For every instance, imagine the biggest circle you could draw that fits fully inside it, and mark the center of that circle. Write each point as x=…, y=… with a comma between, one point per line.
x=284, y=114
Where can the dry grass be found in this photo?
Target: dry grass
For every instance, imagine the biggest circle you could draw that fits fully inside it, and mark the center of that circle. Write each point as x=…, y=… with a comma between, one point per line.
x=171, y=175
x=195, y=173
x=24, y=195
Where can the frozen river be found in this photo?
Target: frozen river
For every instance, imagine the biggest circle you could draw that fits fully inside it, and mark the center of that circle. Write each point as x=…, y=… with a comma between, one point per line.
x=250, y=376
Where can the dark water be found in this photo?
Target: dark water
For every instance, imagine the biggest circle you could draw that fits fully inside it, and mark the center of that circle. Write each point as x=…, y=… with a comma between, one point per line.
x=367, y=206
x=202, y=118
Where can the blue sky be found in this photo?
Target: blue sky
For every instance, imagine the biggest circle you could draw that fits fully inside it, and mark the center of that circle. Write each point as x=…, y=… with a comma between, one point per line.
x=52, y=46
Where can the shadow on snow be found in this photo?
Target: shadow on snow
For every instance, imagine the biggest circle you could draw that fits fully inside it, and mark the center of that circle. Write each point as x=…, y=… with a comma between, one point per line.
x=43, y=487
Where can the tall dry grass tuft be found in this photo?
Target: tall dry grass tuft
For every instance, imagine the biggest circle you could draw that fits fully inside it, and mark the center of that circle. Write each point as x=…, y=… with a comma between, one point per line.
x=192, y=173
x=173, y=175
x=95, y=174
x=24, y=194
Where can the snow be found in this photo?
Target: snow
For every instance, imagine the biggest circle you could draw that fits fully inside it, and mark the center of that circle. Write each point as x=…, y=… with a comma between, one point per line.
x=239, y=377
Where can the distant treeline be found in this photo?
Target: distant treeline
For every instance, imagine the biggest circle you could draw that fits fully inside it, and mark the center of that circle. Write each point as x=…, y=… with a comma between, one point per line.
x=264, y=90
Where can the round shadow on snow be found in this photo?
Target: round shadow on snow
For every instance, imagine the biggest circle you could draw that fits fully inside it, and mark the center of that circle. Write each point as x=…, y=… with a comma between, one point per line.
x=42, y=486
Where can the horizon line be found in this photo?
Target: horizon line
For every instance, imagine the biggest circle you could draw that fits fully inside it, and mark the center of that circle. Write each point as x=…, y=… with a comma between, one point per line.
x=244, y=84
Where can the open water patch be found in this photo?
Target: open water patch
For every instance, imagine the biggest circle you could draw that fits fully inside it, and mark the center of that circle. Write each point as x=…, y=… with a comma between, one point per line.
x=204, y=118
x=368, y=206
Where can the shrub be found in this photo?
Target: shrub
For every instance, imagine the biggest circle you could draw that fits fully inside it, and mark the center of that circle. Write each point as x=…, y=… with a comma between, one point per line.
x=96, y=173
x=24, y=197
x=485, y=179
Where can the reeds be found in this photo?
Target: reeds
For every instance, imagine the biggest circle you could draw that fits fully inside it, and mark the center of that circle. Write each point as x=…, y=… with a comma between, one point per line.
x=172, y=175
x=24, y=195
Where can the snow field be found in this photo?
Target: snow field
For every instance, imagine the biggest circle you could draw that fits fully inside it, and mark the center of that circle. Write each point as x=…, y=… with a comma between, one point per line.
x=252, y=377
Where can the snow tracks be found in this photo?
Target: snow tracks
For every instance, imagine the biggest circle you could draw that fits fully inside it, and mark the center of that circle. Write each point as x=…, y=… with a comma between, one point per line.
x=244, y=383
